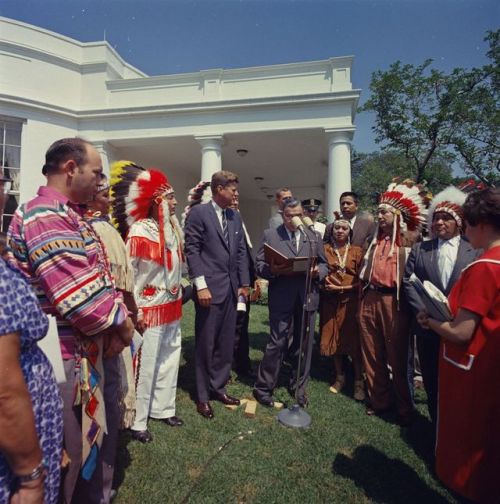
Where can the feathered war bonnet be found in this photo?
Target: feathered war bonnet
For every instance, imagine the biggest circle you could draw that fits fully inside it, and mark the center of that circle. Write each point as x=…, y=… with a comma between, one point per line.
x=449, y=200
x=134, y=191
x=200, y=193
x=404, y=200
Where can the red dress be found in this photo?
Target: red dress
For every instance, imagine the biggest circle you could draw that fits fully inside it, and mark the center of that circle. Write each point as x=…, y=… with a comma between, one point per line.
x=468, y=435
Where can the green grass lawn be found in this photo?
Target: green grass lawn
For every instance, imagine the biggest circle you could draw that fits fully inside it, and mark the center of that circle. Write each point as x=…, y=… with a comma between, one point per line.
x=345, y=456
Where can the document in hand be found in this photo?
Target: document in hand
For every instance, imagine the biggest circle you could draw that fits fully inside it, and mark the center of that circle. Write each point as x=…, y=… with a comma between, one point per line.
x=434, y=300
x=297, y=264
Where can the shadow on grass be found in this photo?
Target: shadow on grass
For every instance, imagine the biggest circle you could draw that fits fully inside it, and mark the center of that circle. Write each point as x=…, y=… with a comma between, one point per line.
x=384, y=479
x=420, y=437
x=186, y=378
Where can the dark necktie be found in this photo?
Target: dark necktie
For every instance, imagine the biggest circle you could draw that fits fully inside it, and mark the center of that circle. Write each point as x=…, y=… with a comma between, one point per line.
x=294, y=241
x=225, y=231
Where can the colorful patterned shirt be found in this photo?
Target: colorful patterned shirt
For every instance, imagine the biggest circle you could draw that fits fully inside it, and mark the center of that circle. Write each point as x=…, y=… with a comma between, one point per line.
x=61, y=257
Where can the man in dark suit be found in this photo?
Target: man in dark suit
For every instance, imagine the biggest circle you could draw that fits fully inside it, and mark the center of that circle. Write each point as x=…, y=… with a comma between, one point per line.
x=286, y=299
x=216, y=256
x=362, y=223
x=440, y=261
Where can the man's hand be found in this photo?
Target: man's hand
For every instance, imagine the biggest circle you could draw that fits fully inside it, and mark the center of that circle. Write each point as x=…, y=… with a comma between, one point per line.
x=280, y=269
x=243, y=291
x=125, y=331
x=113, y=345
x=315, y=271
x=140, y=326
x=204, y=297
x=423, y=319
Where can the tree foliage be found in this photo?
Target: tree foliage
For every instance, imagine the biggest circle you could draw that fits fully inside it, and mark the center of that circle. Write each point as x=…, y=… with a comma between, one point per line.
x=372, y=173
x=429, y=115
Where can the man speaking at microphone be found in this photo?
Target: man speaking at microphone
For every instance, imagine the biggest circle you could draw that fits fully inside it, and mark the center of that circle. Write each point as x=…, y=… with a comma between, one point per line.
x=286, y=299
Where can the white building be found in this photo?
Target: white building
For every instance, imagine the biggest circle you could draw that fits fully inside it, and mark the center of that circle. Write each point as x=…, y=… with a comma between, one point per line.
x=280, y=125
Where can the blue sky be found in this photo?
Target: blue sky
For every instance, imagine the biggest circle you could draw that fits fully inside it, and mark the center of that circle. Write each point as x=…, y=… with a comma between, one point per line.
x=175, y=36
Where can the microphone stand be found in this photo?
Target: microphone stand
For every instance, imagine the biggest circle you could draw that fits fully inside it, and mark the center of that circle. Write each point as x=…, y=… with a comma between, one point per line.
x=295, y=416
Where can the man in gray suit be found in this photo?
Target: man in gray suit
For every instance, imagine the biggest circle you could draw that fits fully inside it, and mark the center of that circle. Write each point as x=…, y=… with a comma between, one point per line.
x=217, y=260
x=282, y=194
x=362, y=223
x=286, y=299
x=440, y=261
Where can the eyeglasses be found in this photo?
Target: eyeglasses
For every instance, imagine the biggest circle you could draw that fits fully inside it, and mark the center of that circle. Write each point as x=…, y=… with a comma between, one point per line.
x=5, y=186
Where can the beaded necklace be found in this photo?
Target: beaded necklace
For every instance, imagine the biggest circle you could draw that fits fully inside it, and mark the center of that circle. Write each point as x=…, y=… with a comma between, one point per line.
x=342, y=260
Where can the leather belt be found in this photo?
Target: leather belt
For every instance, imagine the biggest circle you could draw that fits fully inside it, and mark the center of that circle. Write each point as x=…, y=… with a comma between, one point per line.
x=382, y=290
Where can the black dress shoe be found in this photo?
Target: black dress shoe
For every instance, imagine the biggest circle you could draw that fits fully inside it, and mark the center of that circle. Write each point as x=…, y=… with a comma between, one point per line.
x=264, y=400
x=226, y=399
x=143, y=436
x=205, y=410
x=173, y=421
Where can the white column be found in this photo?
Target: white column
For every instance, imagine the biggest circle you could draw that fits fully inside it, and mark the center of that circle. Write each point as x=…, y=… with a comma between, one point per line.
x=108, y=155
x=339, y=168
x=211, y=155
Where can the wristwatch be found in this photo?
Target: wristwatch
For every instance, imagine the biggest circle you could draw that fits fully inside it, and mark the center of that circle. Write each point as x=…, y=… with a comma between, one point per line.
x=37, y=473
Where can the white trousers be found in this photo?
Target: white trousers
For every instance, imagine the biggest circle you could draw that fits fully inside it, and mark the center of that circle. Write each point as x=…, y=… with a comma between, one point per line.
x=158, y=370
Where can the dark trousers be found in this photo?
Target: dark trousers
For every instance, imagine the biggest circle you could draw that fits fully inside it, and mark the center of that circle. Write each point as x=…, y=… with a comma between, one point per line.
x=281, y=327
x=214, y=343
x=428, y=352
x=241, y=355
x=74, y=488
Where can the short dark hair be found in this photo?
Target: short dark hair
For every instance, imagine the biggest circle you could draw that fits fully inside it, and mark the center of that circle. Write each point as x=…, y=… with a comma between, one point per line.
x=291, y=203
x=223, y=178
x=281, y=190
x=351, y=194
x=64, y=150
x=483, y=207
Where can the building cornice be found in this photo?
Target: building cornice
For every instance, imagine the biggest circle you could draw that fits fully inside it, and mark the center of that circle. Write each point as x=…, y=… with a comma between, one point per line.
x=201, y=107
x=288, y=70
x=72, y=64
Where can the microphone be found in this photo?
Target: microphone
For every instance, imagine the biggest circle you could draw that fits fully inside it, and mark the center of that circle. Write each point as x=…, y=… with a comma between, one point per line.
x=297, y=223
x=307, y=221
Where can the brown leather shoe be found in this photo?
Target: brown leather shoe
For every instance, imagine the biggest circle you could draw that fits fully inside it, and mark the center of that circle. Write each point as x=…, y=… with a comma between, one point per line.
x=205, y=410
x=226, y=399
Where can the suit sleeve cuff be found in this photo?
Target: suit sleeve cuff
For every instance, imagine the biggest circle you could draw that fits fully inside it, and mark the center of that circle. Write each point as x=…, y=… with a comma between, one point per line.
x=200, y=283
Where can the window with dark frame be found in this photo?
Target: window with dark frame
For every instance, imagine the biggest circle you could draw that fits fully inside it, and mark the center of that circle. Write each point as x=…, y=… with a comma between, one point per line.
x=10, y=165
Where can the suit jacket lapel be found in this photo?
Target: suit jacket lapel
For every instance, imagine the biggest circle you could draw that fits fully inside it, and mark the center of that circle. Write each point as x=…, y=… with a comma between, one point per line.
x=433, y=267
x=231, y=225
x=216, y=223
x=283, y=233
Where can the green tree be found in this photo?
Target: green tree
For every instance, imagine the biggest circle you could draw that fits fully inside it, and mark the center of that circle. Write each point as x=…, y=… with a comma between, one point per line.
x=475, y=115
x=373, y=172
x=426, y=114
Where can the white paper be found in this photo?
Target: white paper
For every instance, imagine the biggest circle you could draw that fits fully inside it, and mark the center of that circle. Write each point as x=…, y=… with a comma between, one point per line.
x=51, y=347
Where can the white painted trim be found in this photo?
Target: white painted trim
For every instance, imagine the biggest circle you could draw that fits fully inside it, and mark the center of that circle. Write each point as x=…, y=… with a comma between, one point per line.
x=465, y=367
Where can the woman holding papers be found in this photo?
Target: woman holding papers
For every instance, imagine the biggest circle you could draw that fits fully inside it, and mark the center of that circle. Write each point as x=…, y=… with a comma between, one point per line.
x=30, y=405
x=339, y=304
x=468, y=444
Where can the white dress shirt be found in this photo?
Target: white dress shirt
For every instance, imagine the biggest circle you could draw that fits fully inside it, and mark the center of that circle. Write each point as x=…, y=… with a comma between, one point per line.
x=447, y=257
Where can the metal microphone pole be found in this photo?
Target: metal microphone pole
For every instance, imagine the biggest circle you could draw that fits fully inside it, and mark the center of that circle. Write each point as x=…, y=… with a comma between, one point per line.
x=295, y=416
